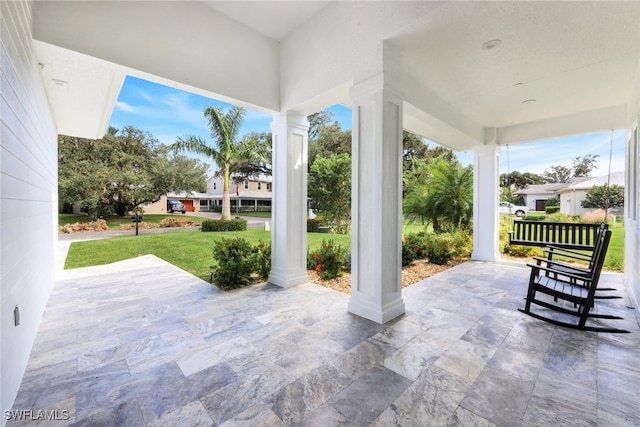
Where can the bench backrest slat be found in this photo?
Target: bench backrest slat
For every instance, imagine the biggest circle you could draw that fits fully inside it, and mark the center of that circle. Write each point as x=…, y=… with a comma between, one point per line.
x=563, y=234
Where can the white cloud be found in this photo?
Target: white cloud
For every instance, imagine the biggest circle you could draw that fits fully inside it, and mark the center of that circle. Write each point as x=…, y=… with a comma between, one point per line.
x=123, y=106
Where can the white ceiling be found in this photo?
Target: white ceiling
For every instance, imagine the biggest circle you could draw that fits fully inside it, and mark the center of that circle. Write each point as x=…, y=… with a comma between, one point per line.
x=576, y=59
x=274, y=19
x=568, y=56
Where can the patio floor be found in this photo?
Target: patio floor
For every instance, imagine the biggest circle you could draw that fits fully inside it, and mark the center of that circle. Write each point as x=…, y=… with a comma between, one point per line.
x=141, y=342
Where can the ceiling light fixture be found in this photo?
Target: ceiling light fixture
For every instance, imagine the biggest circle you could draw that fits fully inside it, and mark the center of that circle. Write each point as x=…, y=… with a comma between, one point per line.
x=491, y=44
x=59, y=82
x=529, y=101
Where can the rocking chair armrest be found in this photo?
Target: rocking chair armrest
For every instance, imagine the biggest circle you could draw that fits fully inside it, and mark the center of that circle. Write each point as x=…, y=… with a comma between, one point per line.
x=535, y=267
x=583, y=270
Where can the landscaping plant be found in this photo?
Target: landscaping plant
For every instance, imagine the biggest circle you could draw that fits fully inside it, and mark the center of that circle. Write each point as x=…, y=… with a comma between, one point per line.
x=327, y=261
x=234, y=263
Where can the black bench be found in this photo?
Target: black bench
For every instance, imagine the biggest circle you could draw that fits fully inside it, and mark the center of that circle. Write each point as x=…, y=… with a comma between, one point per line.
x=559, y=234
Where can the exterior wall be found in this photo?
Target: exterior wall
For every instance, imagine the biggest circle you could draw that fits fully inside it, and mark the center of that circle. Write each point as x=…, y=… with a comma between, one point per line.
x=632, y=210
x=570, y=202
x=632, y=193
x=530, y=199
x=159, y=207
x=28, y=195
x=214, y=186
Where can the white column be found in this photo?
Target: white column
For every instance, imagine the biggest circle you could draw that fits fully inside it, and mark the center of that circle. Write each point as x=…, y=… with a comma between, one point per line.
x=376, y=269
x=289, y=233
x=486, y=197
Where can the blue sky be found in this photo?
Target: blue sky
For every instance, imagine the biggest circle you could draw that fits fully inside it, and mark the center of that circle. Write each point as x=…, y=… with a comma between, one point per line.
x=168, y=113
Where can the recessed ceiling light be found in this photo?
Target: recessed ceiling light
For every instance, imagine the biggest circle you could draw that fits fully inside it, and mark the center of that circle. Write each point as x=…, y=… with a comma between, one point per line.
x=491, y=44
x=529, y=101
x=59, y=82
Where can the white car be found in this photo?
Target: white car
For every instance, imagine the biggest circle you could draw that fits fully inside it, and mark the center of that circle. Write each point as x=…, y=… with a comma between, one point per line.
x=510, y=208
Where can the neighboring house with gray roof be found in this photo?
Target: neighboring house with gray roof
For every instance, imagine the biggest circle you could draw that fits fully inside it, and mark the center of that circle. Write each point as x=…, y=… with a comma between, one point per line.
x=536, y=196
x=572, y=195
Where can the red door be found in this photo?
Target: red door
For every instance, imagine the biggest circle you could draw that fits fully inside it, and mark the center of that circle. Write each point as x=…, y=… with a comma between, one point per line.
x=188, y=205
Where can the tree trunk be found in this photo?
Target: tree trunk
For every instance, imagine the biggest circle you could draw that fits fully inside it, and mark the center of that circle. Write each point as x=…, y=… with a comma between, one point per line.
x=226, y=206
x=226, y=200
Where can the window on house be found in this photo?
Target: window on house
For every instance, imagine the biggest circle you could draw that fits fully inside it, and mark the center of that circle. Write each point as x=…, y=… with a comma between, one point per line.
x=259, y=186
x=214, y=185
x=246, y=185
x=268, y=186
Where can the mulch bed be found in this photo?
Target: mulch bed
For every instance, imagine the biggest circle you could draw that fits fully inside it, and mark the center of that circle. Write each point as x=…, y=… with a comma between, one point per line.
x=411, y=274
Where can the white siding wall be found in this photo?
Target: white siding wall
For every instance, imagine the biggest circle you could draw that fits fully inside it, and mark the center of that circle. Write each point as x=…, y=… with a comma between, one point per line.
x=28, y=195
x=632, y=194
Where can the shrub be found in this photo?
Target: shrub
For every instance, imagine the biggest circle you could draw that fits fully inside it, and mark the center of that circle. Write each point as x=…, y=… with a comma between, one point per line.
x=518, y=250
x=262, y=259
x=553, y=201
x=552, y=209
x=461, y=242
x=558, y=217
x=438, y=248
x=408, y=254
x=313, y=224
x=594, y=217
x=220, y=225
x=234, y=263
x=327, y=261
x=417, y=243
x=531, y=217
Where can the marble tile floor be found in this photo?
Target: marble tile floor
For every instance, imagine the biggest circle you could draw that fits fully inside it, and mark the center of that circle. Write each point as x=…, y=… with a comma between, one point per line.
x=142, y=343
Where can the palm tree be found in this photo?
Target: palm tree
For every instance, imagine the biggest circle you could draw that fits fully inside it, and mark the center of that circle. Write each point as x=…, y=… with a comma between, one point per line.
x=443, y=196
x=450, y=194
x=227, y=150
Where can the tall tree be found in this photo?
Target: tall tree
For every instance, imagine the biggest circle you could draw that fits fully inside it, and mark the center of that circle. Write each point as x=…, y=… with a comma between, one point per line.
x=331, y=139
x=261, y=166
x=227, y=150
x=520, y=180
x=330, y=189
x=415, y=148
x=318, y=120
x=604, y=197
x=557, y=174
x=582, y=166
x=121, y=171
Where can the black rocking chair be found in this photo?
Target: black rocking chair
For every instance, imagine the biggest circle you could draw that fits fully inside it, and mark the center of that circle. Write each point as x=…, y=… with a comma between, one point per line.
x=571, y=291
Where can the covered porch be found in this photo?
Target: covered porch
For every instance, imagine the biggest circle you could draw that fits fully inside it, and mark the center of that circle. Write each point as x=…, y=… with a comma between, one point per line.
x=141, y=342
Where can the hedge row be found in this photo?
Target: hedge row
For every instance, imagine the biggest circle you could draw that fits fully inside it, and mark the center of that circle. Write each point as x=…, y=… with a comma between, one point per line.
x=220, y=225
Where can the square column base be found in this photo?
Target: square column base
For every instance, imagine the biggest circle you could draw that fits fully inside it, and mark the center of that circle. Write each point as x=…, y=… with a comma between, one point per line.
x=288, y=280
x=379, y=313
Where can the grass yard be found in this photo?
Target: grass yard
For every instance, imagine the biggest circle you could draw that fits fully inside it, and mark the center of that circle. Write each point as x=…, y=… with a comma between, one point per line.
x=189, y=250
x=115, y=222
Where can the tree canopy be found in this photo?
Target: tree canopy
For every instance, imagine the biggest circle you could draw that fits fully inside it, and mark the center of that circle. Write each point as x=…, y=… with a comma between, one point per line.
x=227, y=149
x=121, y=171
x=604, y=197
x=443, y=197
x=330, y=189
x=582, y=167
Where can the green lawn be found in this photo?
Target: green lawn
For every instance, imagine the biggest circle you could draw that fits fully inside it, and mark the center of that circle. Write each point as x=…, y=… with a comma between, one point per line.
x=253, y=214
x=192, y=250
x=189, y=250
x=115, y=222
